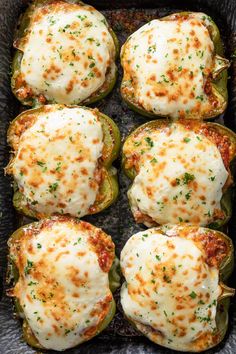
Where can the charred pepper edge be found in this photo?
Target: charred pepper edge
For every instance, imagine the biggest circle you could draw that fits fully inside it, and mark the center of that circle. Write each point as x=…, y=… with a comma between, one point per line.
x=13, y=276
x=111, y=138
x=219, y=84
x=24, y=22
x=225, y=270
x=226, y=200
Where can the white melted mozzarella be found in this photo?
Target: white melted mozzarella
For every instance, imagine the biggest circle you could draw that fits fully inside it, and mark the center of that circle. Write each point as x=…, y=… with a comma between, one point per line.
x=180, y=179
x=167, y=62
x=56, y=161
x=62, y=286
x=67, y=53
x=168, y=288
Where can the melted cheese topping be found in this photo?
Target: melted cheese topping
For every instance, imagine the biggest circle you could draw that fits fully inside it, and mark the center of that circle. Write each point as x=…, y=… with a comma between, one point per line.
x=166, y=64
x=56, y=161
x=180, y=179
x=62, y=289
x=67, y=52
x=170, y=293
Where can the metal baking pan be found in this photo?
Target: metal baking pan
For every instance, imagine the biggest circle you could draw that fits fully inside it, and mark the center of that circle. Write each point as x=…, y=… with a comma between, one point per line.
x=124, y=17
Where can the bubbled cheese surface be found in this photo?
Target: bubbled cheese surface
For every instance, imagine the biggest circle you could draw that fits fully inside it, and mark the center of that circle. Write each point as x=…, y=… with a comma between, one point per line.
x=67, y=52
x=169, y=288
x=181, y=177
x=166, y=63
x=56, y=161
x=62, y=289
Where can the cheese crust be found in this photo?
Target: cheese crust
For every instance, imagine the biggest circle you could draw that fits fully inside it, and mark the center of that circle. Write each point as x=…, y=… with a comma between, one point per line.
x=180, y=177
x=63, y=285
x=171, y=289
x=56, y=163
x=168, y=66
x=68, y=54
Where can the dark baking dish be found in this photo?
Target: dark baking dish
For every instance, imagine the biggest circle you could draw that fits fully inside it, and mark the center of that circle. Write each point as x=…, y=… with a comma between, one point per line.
x=124, y=17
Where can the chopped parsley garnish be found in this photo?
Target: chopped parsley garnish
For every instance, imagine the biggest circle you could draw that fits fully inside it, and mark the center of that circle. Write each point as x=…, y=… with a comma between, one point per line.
x=32, y=283
x=164, y=78
x=137, y=143
x=82, y=18
x=188, y=178
x=149, y=141
x=91, y=74
x=41, y=164
x=58, y=168
x=91, y=39
x=152, y=48
x=188, y=195
x=28, y=267
x=53, y=187
x=200, y=98
x=193, y=295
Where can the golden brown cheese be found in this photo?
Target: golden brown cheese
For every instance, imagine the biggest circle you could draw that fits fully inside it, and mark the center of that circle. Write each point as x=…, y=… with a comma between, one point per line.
x=56, y=160
x=171, y=288
x=63, y=289
x=68, y=52
x=180, y=176
x=167, y=67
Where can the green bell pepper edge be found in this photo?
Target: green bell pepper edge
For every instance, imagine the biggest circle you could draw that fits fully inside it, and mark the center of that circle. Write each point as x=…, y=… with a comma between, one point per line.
x=13, y=275
x=226, y=200
x=225, y=270
x=16, y=62
x=219, y=85
x=109, y=187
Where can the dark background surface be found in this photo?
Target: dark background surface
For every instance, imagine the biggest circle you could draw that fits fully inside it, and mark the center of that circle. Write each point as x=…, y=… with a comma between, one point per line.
x=125, y=17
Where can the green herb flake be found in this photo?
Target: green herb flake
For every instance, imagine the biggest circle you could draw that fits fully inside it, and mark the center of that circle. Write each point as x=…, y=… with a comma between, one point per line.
x=41, y=164
x=152, y=48
x=188, y=195
x=187, y=140
x=201, y=98
x=28, y=267
x=149, y=141
x=193, y=295
x=188, y=178
x=53, y=187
